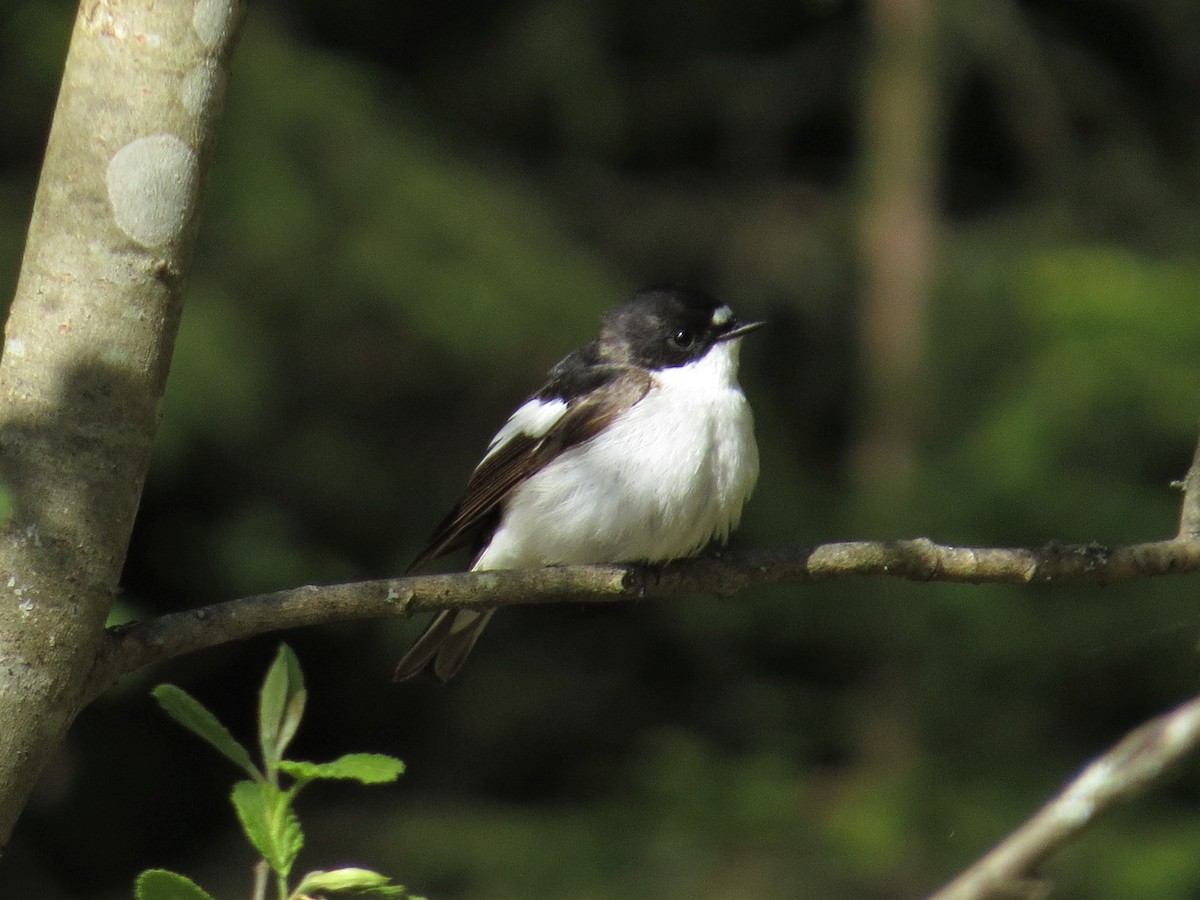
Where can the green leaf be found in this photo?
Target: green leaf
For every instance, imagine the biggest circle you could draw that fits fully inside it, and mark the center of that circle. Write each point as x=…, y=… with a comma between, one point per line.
x=369, y=768
x=192, y=715
x=269, y=822
x=159, y=884
x=280, y=706
x=349, y=880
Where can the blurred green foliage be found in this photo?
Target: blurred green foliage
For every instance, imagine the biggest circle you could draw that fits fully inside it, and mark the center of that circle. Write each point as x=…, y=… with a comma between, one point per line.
x=417, y=208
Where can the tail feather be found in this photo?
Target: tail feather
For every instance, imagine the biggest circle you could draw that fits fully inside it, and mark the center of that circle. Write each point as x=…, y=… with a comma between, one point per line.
x=444, y=646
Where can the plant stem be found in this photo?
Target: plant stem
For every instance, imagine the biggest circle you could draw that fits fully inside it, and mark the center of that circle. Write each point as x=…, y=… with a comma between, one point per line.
x=261, y=873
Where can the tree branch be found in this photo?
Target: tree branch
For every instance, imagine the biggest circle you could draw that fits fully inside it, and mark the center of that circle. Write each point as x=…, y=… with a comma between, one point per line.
x=1139, y=760
x=1189, y=513
x=920, y=559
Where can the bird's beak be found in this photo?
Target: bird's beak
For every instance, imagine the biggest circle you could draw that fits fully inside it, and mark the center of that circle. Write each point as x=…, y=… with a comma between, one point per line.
x=739, y=329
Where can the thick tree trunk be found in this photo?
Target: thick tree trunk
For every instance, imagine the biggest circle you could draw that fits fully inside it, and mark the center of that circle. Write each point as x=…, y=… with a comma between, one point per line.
x=88, y=345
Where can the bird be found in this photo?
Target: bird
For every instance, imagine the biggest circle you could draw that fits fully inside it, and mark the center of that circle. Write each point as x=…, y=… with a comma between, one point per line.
x=639, y=448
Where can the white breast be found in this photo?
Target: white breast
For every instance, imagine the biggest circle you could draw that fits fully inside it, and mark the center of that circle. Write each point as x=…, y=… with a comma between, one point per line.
x=662, y=481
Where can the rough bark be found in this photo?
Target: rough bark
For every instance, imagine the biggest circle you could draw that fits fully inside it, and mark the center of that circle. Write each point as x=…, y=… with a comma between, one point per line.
x=88, y=344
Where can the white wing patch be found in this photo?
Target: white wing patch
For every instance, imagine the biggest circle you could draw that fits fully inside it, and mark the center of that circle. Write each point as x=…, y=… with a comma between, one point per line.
x=533, y=419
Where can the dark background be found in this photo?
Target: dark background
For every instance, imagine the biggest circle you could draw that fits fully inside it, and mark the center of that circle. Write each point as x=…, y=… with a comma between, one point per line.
x=417, y=208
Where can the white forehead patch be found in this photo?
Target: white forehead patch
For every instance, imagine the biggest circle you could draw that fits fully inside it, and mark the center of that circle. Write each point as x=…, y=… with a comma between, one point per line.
x=722, y=315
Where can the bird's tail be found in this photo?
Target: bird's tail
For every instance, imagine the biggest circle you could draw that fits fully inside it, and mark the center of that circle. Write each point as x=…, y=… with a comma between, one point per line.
x=444, y=646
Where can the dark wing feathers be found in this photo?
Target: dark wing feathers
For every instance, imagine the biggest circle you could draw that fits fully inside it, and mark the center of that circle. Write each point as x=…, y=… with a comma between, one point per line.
x=591, y=413
x=489, y=483
x=610, y=390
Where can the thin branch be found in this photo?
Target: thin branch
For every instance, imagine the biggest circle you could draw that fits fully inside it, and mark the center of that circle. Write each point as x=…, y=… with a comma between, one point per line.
x=1189, y=514
x=920, y=559
x=1139, y=760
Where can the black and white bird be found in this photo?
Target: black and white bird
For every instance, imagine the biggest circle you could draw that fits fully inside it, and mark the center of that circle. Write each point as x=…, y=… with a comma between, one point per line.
x=639, y=448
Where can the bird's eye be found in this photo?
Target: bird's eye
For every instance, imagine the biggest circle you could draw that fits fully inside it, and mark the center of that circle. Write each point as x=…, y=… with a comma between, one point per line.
x=683, y=339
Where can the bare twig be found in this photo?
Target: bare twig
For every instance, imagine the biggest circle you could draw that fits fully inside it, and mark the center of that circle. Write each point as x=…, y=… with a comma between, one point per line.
x=1139, y=760
x=1189, y=513
x=919, y=559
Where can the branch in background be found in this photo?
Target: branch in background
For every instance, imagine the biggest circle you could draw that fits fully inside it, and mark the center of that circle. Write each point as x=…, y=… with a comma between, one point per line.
x=899, y=129
x=1139, y=760
x=134, y=646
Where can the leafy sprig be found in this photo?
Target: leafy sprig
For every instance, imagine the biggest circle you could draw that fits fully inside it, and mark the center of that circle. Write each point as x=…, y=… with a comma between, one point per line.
x=265, y=800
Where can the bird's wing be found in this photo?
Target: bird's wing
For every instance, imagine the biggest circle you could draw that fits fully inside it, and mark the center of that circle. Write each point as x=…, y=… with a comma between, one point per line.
x=540, y=429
